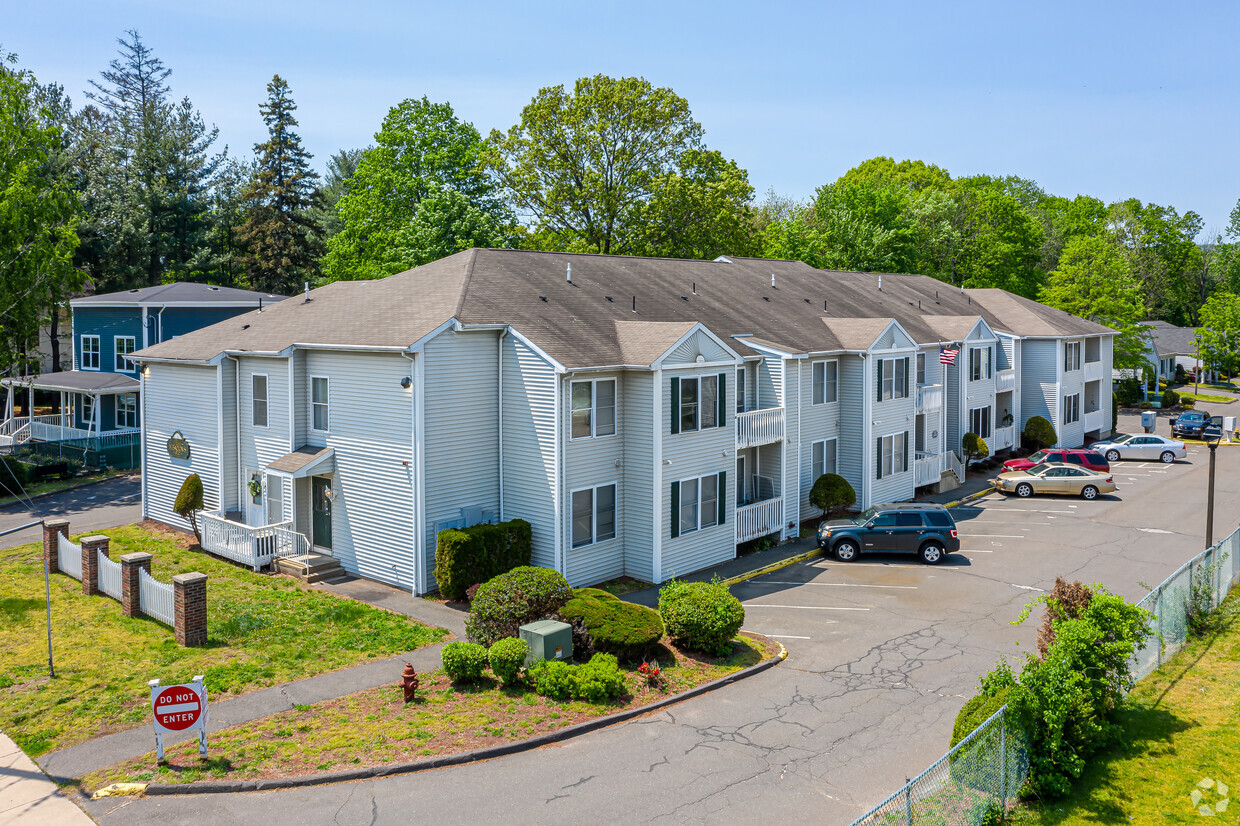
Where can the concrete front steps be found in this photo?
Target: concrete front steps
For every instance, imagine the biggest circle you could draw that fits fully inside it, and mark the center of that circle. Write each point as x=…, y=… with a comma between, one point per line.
x=310, y=568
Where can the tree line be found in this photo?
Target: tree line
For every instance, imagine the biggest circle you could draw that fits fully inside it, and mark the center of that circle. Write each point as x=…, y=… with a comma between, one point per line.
x=132, y=189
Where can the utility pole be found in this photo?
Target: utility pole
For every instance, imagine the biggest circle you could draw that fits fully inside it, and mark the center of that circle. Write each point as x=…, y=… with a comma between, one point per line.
x=1210, y=497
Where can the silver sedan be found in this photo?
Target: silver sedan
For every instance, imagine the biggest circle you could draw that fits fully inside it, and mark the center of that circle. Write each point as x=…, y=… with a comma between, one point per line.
x=1141, y=446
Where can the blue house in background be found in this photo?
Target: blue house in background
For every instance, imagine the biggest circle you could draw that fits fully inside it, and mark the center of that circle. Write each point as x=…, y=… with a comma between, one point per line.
x=100, y=395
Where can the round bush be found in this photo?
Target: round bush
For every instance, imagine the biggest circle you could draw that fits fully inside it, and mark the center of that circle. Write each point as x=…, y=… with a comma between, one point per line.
x=464, y=662
x=598, y=680
x=831, y=492
x=1040, y=432
x=703, y=616
x=552, y=678
x=1170, y=398
x=978, y=710
x=624, y=629
x=510, y=600
x=507, y=657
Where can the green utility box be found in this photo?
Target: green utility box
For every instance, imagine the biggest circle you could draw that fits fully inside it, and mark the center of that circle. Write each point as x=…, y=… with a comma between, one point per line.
x=548, y=640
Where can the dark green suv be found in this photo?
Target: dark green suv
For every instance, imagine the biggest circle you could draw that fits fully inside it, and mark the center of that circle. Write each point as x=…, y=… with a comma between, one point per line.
x=924, y=529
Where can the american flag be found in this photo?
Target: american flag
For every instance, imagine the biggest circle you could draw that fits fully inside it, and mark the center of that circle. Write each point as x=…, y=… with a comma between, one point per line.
x=948, y=355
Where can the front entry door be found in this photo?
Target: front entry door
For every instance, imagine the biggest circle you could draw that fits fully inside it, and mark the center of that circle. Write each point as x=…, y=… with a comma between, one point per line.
x=255, y=513
x=322, y=518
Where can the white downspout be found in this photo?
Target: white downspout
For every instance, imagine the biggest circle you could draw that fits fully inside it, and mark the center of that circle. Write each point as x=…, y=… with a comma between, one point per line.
x=159, y=324
x=499, y=369
x=146, y=514
x=415, y=432
x=657, y=502
x=237, y=408
x=560, y=557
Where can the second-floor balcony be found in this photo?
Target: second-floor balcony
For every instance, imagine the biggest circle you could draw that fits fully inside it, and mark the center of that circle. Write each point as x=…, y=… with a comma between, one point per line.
x=929, y=397
x=1093, y=371
x=1004, y=438
x=1097, y=420
x=1005, y=380
x=759, y=427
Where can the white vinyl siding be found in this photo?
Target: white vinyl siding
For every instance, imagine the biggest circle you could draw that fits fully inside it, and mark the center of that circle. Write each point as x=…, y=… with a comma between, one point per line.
x=819, y=424
x=1040, y=360
x=89, y=359
x=167, y=387
x=122, y=347
x=529, y=445
x=594, y=463
x=639, y=517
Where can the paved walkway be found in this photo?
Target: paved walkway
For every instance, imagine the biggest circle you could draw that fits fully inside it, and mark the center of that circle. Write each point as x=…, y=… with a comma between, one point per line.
x=27, y=796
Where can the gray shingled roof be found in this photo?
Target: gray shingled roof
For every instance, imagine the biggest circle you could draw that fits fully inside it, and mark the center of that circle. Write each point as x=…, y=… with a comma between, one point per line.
x=1171, y=340
x=580, y=323
x=182, y=292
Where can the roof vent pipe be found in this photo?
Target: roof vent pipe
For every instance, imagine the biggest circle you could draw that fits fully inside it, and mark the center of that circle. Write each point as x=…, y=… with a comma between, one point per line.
x=307, y=291
x=570, y=273
x=824, y=305
x=260, y=303
x=772, y=279
x=695, y=288
x=880, y=282
x=634, y=303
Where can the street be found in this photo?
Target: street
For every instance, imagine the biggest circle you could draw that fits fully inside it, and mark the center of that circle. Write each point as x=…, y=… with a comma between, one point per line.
x=91, y=508
x=883, y=653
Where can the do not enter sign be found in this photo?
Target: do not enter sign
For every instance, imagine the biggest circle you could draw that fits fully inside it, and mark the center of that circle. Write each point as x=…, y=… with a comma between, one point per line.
x=177, y=708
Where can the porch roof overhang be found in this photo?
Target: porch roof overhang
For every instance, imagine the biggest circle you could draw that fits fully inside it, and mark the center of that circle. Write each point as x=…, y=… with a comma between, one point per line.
x=304, y=461
x=77, y=381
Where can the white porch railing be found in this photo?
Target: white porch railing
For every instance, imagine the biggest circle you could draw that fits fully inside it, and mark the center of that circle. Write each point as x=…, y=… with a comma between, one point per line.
x=1004, y=438
x=953, y=463
x=759, y=519
x=252, y=546
x=1093, y=371
x=927, y=469
x=109, y=576
x=69, y=557
x=1097, y=420
x=929, y=397
x=1005, y=380
x=155, y=598
x=759, y=427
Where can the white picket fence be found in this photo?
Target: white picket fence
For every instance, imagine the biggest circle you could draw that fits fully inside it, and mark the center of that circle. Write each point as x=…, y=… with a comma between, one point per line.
x=155, y=598
x=68, y=557
x=109, y=576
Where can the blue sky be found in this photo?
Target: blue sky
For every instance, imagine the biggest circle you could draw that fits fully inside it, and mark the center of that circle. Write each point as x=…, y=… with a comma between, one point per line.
x=1114, y=100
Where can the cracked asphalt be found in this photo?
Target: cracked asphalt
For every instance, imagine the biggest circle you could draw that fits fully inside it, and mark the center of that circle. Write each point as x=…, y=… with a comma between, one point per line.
x=883, y=653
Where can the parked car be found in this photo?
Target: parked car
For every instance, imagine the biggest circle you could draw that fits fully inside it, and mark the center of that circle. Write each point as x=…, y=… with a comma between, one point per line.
x=1197, y=424
x=927, y=530
x=1067, y=480
x=1141, y=446
x=1091, y=459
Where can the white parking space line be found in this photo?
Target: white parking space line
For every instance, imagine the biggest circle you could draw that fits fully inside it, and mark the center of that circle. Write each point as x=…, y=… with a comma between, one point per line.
x=992, y=536
x=801, y=607
x=1025, y=510
x=973, y=551
x=833, y=584
x=789, y=636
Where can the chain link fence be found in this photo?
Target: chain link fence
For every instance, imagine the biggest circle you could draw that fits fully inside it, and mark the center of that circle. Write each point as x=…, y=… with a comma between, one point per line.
x=984, y=771
x=120, y=452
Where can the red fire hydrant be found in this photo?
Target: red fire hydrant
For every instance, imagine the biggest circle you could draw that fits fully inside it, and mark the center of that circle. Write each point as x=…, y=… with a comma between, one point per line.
x=409, y=683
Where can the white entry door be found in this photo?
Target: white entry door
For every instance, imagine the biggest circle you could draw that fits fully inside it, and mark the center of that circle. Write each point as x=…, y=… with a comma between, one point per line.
x=255, y=512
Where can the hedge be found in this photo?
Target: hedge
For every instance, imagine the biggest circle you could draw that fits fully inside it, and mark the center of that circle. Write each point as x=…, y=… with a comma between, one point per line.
x=468, y=556
x=464, y=662
x=703, y=616
x=597, y=681
x=624, y=629
x=502, y=605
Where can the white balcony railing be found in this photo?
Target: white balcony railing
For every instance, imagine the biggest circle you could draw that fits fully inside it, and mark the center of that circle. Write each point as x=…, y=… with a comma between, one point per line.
x=1097, y=420
x=929, y=397
x=927, y=469
x=759, y=519
x=953, y=463
x=759, y=427
x=1004, y=438
x=1005, y=380
x=1093, y=371
x=20, y=430
x=256, y=547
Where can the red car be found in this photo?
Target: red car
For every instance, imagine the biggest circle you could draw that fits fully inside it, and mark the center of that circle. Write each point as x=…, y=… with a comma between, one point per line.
x=1072, y=456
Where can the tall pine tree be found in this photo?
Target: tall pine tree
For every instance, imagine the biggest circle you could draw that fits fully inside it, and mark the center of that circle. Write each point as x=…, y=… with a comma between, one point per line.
x=280, y=230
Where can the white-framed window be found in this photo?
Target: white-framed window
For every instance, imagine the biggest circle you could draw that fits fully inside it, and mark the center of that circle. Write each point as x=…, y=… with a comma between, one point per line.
x=124, y=345
x=127, y=410
x=740, y=389
x=892, y=379
x=698, y=503
x=1071, y=356
x=1072, y=408
x=90, y=353
x=979, y=421
x=594, y=515
x=258, y=388
x=594, y=408
x=921, y=369
x=319, y=403
x=697, y=402
x=892, y=455
x=822, y=458
x=825, y=381
x=87, y=409
x=980, y=366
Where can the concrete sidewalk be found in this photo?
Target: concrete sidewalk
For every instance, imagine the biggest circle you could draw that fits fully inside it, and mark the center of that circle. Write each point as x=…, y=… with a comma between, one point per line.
x=28, y=796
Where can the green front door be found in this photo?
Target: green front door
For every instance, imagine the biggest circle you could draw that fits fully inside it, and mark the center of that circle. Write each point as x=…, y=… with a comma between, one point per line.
x=322, y=521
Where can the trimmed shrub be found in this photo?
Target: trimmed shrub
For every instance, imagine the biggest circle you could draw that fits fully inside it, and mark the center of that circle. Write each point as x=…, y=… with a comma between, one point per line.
x=974, y=447
x=1040, y=432
x=1170, y=398
x=467, y=556
x=977, y=711
x=189, y=502
x=596, y=681
x=552, y=678
x=510, y=600
x=464, y=662
x=1128, y=391
x=1187, y=403
x=16, y=475
x=702, y=616
x=624, y=629
x=507, y=657
x=831, y=492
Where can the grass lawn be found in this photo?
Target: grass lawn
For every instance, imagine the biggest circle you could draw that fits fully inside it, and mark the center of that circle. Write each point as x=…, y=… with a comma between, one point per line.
x=623, y=585
x=262, y=630
x=375, y=727
x=1204, y=397
x=1181, y=726
x=52, y=485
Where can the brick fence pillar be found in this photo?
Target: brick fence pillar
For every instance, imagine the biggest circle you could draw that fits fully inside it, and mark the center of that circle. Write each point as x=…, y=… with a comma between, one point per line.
x=52, y=530
x=91, y=545
x=131, y=564
x=190, y=602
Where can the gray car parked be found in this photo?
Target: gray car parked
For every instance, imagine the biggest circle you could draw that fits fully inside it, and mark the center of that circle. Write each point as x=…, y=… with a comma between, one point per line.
x=927, y=530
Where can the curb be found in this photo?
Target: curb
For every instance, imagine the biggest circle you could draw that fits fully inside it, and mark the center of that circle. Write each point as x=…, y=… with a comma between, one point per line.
x=774, y=566
x=233, y=786
x=994, y=486
x=91, y=483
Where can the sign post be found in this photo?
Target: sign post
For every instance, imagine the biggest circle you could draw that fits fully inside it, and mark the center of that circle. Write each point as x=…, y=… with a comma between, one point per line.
x=178, y=708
